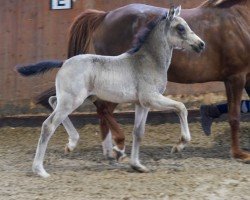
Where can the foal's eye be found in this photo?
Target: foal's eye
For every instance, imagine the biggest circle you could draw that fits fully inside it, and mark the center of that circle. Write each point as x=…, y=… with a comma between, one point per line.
x=180, y=28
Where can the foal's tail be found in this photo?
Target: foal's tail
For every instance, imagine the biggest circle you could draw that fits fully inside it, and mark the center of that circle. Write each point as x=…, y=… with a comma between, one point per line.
x=38, y=68
x=82, y=29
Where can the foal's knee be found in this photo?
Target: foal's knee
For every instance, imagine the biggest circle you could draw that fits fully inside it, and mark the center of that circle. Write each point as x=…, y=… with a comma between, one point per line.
x=48, y=125
x=181, y=108
x=138, y=133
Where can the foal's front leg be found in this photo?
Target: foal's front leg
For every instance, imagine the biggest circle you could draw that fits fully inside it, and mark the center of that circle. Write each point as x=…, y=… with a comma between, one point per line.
x=161, y=102
x=141, y=114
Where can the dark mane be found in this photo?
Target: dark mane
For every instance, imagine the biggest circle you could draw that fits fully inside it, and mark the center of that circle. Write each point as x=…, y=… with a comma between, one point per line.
x=143, y=34
x=221, y=3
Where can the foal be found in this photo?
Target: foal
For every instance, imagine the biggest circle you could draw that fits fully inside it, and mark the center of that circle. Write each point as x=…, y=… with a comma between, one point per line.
x=138, y=76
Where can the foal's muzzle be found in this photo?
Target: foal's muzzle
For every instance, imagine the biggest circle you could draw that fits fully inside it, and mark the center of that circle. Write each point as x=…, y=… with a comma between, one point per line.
x=198, y=47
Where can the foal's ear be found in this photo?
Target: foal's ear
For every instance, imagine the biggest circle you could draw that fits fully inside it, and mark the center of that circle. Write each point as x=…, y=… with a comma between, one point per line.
x=177, y=11
x=173, y=12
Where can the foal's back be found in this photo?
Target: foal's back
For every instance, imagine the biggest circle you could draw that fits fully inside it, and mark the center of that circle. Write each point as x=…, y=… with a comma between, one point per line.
x=107, y=77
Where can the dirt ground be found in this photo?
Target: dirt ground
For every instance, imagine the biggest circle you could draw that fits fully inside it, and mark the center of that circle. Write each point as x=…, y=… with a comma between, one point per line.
x=203, y=171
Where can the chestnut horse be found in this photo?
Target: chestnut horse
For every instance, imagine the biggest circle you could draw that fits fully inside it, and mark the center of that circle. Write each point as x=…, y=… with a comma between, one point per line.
x=223, y=24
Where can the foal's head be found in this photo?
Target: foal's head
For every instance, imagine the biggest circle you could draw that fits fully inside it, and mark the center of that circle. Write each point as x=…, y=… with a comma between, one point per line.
x=179, y=34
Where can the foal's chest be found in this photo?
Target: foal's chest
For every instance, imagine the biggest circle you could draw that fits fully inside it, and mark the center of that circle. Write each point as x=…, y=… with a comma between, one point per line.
x=154, y=80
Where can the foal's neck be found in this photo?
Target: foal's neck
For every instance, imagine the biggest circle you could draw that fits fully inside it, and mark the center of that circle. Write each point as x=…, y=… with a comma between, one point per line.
x=157, y=48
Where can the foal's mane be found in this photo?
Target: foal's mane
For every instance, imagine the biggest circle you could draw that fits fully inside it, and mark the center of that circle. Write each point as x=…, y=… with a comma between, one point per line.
x=143, y=34
x=221, y=3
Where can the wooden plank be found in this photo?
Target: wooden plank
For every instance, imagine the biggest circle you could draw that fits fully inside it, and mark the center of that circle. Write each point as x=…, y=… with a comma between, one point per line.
x=81, y=119
x=31, y=32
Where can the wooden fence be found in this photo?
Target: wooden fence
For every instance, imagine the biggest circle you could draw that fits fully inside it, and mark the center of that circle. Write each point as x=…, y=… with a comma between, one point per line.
x=30, y=31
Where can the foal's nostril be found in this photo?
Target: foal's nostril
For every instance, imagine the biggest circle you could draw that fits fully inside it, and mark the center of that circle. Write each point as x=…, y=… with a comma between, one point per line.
x=202, y=45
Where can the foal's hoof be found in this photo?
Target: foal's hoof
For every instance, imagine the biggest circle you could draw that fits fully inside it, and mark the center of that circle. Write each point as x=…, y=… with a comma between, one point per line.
x=112, y=161
x=67, y=149
x=140, y=168
x=40, y=171
x=179, y=146
x=176, y=149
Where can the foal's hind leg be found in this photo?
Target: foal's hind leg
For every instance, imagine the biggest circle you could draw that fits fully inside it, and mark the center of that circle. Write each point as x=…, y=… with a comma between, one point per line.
x=72, y=132
x=63, y=109
x=161, y=102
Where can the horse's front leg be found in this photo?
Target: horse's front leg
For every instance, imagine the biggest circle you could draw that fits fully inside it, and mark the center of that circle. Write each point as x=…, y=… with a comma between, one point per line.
x=161, y=102
x=141, y=114
x=234, y=88
x=72, y=132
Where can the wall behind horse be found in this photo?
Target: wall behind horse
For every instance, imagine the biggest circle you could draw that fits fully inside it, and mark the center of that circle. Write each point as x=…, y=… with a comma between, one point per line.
x=31, y=32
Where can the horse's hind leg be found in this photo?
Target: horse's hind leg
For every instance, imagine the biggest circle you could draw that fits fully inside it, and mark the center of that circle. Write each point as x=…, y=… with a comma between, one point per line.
x=161, y=102
x=117, y=133
x=234, y=88
x=72, y=132
x=106, y=136
x=63, y=109
x=109, y=125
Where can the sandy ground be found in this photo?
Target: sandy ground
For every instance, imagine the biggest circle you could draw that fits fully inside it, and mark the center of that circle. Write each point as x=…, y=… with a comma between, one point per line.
x=203, y=171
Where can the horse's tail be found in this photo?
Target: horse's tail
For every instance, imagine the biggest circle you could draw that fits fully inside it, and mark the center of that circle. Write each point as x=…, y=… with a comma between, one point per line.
x=81, y=31
x=38, y=68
